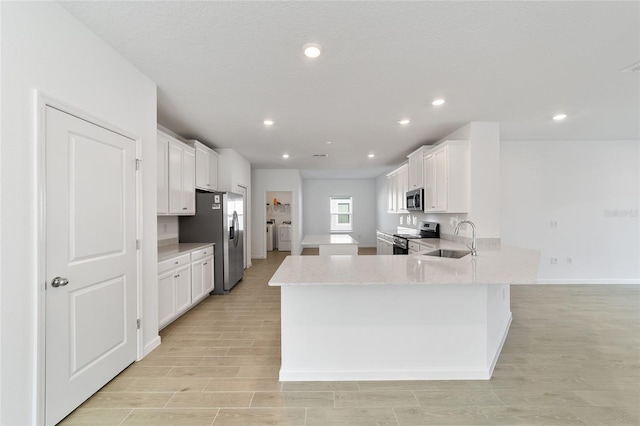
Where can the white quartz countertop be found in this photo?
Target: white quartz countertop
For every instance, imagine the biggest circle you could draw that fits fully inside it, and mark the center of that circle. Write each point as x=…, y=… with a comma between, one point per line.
x=502, y=265
x=175, y=250
x=329, y=239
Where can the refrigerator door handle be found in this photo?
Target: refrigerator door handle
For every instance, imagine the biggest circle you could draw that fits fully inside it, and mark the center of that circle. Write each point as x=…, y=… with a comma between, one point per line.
x=235, y=229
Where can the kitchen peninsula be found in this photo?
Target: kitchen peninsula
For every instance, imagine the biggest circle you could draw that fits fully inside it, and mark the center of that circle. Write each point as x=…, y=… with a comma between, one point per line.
x=413, y=317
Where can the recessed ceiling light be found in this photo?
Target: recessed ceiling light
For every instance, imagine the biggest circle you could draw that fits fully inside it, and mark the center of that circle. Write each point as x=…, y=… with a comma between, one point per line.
x=404, y=121
x=312, y=50
x=371, y=155
x=437, y=102
x=269, y=122
x=559, y=117
x=285, y=155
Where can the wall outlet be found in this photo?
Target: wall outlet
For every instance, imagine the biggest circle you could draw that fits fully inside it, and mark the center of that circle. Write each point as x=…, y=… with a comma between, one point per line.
x=569, y=261
x=554, y=260
x=553, y=224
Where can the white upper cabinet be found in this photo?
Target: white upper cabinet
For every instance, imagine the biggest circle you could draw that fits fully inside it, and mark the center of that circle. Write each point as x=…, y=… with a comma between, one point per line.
x=176, y=177
x=416, y=168
x=402, y=183
x=188, y=181
x=162, y=168
x=206, y=166
x=397, y=186
x=446, y=178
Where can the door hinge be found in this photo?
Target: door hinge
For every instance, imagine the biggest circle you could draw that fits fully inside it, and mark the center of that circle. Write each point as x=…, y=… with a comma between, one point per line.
x=138, y=323
x=137, y=244
x=138, y=161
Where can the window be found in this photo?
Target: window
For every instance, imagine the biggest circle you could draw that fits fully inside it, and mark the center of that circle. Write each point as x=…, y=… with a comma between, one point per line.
x=341, y=214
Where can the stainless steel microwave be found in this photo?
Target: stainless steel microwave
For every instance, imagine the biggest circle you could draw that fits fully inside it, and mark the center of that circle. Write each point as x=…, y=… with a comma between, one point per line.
x=415, y=199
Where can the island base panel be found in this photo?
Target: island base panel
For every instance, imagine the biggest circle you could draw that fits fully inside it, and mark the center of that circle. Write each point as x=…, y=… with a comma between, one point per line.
x=392, y=332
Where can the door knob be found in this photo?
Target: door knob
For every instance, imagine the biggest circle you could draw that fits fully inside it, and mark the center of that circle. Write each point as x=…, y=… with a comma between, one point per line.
x=59, y=282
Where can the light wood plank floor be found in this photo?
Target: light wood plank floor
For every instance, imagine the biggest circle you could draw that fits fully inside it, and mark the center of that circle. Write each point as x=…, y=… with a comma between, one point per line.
x=572, y=357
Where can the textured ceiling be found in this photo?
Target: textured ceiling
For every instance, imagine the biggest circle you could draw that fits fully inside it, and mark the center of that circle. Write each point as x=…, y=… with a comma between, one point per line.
x=224, y=67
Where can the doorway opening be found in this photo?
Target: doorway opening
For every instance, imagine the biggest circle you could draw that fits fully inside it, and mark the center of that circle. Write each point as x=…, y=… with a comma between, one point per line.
x=279, y=221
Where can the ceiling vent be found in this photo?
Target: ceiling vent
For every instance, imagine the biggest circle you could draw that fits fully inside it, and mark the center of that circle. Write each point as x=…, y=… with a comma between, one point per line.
x=321, y=155
x=632, y=68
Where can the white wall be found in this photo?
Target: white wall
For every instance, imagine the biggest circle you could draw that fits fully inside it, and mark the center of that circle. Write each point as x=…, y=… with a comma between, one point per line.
x=275, y=180
x=168, y=227
x=316, y=206
x=592, y=190
x=44, y=48
x=484, y=196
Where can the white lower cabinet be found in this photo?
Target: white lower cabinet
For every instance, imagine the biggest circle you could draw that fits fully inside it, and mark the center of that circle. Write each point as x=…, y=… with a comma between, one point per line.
x=201, y=274
x=414, y=247
x=183, y=289
x=183, y=281
x=174, y=279
x=384, y=243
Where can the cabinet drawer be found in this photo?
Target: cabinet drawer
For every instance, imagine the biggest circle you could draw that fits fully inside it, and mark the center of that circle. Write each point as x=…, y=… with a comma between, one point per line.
x=384, y=237
x=203, y=252
x=426, y=246
x=173, y=263
x=415, y=247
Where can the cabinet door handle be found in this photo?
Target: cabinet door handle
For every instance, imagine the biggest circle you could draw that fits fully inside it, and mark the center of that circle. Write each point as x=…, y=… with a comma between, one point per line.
x=176, y=276
x=205, y=263
x=184, y=208
x=176, y=263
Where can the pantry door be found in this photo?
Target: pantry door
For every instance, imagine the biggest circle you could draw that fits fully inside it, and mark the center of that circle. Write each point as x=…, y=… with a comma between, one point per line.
x=91, y=262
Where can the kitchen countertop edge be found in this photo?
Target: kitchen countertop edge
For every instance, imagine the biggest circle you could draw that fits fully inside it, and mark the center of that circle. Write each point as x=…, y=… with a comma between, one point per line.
x=175, y=250
x=503, y=265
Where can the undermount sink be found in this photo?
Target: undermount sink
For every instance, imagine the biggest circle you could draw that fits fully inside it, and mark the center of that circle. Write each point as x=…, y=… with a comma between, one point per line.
x=452, y=254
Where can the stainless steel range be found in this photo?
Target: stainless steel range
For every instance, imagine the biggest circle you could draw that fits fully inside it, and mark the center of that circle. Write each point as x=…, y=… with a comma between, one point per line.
x=425, y=230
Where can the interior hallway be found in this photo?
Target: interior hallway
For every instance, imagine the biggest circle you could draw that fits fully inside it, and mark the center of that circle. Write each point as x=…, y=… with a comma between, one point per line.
x=572, y=357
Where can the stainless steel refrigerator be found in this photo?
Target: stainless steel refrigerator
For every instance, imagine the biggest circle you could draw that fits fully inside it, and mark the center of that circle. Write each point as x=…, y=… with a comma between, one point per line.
x=219, y=219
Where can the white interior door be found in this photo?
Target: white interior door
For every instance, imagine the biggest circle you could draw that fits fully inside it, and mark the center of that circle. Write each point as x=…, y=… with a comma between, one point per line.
x=91, y=262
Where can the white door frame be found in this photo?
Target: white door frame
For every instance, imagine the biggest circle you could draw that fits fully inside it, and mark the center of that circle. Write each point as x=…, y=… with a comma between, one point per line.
x=41, y=102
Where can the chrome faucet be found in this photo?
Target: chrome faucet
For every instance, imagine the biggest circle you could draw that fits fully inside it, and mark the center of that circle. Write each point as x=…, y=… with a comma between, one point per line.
x=474, y=251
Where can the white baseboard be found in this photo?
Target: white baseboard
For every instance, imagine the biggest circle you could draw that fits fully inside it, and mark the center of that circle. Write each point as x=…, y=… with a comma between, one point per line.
x=589, y=281
x=375, y=375
x=497, y=353
x=151, y=346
